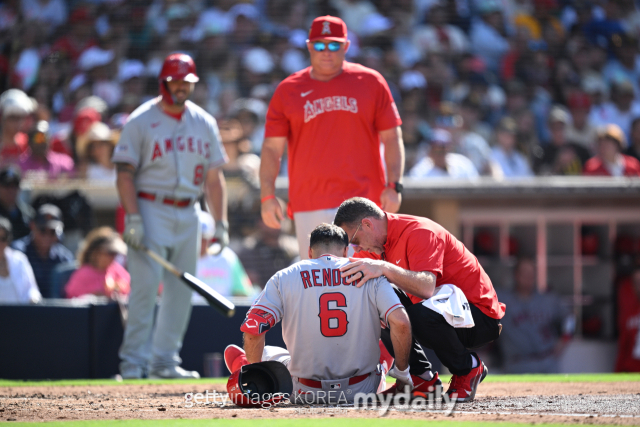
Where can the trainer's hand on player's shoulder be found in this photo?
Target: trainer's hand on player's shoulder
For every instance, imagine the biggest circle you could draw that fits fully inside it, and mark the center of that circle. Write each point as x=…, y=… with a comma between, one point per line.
x=362, y=270
x=133, y=230
x=390, y=200
x=221, y=235
x=272, y=213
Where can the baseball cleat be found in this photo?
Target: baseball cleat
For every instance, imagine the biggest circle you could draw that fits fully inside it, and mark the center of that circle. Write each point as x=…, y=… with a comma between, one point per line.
x=235, y=358
x=419, y=385
x=131, y=372
x=172, y=372
x=466, y=385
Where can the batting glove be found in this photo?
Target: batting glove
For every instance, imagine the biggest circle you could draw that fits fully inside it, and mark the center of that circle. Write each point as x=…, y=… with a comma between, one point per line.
x=221, y=234
x=133, y=230
x=402, y=376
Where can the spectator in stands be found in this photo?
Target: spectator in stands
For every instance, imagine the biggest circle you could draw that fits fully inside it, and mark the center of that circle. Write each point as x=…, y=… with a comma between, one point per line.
x=222, y=272
x=43, y=247
x=488, y=34
x=610, y=161
x=266, y=252
x=100, y=273
x=45, y=14
x=441, y=162
x=467, y=143
x=629, y=324
x=622, y=109
x=17, y=282
x=94, y=149
x=505, y=152
x=580, y=130
x=438, y=36
x=41, y=162
x=634, y=141
x=79, y=36
x=560, y=156
x=251, y=114
x=536, y=327
x=15, y=107
x=11, y=205
x=623, y=66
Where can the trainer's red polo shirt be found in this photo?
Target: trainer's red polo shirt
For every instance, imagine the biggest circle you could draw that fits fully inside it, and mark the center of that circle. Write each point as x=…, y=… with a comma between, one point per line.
x=419, y=244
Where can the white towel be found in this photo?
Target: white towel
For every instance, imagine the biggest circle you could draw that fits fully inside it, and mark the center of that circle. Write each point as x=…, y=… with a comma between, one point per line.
x=452, y=304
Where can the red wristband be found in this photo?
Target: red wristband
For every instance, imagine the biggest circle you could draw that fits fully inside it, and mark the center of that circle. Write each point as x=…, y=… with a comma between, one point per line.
x=269, y=197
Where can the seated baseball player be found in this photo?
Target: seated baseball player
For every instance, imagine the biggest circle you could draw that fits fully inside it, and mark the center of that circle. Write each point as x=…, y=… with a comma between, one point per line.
x=331, y=329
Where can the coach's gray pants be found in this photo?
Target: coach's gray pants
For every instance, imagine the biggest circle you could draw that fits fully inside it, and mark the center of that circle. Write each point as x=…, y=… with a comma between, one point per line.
x=174, y=233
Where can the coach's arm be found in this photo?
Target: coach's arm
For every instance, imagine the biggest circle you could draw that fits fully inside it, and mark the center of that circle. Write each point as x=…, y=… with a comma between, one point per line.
x=419, y=283
x=270, y=156
x=390, y=199
x=254, y=345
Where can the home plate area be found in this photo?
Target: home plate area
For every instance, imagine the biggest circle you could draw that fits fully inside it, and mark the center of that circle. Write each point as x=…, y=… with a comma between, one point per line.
x=613, y=403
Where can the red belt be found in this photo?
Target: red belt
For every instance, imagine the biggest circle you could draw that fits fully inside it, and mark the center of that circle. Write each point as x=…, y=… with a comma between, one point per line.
x=318, y=384
x=179, y=203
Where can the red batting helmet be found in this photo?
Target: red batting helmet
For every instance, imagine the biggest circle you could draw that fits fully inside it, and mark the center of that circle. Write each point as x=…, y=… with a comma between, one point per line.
x=261, y=384
x=177, y=66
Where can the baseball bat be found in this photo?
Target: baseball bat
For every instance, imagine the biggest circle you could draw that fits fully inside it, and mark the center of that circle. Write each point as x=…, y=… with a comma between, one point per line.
x=217, y=301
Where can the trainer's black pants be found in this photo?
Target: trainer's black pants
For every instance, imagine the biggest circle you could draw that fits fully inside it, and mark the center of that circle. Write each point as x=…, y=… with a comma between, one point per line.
x=451, y=345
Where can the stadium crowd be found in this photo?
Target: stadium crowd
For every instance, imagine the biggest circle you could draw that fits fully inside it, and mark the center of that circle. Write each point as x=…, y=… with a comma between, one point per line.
x=497, y=88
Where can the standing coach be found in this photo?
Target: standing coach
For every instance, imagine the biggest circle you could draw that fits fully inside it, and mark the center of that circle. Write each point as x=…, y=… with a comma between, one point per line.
x=333, y=116
x=416, y=254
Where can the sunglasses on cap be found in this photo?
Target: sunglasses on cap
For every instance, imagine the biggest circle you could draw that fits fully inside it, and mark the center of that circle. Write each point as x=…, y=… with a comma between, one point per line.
x=332, y=46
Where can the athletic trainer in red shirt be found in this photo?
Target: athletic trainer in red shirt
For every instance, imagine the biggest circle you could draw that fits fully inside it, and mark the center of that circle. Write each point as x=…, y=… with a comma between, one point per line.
x=332, y=116
x=416, y=254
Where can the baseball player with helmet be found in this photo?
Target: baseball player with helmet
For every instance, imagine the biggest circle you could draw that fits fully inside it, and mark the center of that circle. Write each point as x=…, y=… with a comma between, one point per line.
x=333, y=116
x=331, y=328
x=169, y=150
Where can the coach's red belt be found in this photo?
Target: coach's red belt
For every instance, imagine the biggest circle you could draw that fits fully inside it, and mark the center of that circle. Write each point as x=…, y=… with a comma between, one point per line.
x=179, y=203
x=318, y=384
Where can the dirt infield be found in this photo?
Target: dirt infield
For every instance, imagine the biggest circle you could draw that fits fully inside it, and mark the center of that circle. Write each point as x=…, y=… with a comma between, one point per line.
x=588, y=403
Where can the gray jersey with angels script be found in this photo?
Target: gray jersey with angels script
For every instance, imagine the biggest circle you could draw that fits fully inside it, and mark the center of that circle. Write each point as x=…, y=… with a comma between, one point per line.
x=331, y=328
x=171, y=156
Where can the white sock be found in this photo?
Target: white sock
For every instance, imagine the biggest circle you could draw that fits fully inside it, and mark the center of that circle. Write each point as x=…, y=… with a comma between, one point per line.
x=427, y=376
x=474, y=362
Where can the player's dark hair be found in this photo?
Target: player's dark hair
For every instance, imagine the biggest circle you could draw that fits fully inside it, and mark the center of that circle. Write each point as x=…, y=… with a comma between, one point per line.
x=328, y=235
x=354, y=210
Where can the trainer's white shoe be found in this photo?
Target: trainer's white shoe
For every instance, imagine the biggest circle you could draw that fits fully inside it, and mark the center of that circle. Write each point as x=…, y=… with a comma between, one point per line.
x=172, y=372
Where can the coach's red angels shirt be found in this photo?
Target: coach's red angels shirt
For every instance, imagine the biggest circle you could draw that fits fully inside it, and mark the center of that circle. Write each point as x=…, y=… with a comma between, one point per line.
x=333, y=137
x=419, y=244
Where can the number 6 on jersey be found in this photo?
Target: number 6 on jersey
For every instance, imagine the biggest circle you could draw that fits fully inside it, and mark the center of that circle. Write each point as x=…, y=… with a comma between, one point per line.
x=327, y=314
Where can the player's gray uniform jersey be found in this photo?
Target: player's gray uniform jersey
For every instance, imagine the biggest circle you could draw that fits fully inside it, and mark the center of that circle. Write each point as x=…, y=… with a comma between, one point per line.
x=331, y=329
x=171, y=156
